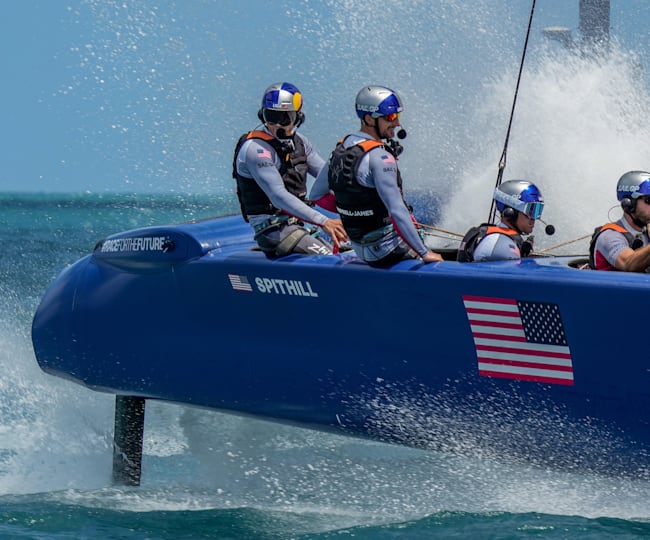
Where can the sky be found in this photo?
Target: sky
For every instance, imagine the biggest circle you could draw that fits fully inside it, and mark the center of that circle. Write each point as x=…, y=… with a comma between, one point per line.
x=150, y=95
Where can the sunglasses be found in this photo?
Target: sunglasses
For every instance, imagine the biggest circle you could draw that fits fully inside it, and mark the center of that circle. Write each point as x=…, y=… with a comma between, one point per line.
x=281, y=118
x=391, y=117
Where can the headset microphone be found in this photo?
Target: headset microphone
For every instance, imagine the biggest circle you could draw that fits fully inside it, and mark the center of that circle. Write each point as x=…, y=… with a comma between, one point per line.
x=550, y=229
x=401, y=134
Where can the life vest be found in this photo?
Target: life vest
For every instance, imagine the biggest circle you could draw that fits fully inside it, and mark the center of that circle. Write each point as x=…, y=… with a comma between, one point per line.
x=293, y=170
x=634, y=241
x=360, y=208
x=476, y=234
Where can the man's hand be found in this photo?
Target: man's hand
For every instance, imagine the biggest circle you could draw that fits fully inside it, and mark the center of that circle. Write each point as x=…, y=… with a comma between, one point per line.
x=432, y=256
x=334, y=227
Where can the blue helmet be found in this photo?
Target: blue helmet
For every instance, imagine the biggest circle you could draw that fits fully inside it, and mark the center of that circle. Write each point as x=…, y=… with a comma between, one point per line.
x=520, y=195
x=631, y=186
x=377, y=101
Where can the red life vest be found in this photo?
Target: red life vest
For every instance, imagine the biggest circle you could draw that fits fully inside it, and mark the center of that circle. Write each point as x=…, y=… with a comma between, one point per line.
x=596, y=259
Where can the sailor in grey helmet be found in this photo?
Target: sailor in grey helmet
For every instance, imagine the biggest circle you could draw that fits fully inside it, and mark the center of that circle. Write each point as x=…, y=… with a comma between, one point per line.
x=624, y=244
x=519, y=203
x=271, y=166
x=363, y=175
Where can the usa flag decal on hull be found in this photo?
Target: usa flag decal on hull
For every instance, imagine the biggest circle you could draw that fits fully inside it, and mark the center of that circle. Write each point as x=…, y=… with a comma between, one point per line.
x=517, y=339
x=240, y=283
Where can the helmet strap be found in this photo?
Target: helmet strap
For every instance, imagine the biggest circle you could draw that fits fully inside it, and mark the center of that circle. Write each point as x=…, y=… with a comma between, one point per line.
x=376, y=126
x=636, y=220
x=369, y=127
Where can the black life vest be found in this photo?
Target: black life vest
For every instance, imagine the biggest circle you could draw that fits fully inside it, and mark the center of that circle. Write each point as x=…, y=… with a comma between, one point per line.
x=476, y=234
x=360, y=208
x=293, y=170
x=634, y=241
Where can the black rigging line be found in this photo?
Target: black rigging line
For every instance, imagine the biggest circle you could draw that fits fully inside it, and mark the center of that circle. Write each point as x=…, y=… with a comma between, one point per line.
x=502, y=161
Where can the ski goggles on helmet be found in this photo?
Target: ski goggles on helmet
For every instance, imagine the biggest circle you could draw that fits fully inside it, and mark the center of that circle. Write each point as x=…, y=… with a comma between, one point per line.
x=281, y=118
x=533, y=209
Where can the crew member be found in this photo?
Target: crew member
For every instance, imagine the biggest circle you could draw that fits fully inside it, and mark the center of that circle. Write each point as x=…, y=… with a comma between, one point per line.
x=271, y=166
x=363, y=175
x=624, y=244
x=519, y=203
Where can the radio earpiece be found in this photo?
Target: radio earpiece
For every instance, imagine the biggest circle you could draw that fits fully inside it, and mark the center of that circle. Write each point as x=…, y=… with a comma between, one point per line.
x=627, y=204
x=300, y=119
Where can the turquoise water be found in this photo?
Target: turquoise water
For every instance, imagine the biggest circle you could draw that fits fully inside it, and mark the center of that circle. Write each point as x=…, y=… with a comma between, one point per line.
x=209, y=475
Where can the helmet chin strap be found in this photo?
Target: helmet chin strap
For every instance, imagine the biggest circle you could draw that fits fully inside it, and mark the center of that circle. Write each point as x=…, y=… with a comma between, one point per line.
x=376, y=126
x=636, y=220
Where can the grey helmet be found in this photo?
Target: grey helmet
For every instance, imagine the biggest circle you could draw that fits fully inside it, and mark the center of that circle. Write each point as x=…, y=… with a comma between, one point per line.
x=377, y=101
x=520, y=195
x=631, y=186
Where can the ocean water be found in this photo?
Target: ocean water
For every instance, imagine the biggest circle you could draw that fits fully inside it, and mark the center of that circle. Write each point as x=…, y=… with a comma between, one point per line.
x=211, y=475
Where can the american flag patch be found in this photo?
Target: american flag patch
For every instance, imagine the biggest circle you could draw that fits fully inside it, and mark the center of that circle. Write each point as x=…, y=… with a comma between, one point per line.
x=240, y=283
x=388, y=158
x=517, y=339
x=262, y=153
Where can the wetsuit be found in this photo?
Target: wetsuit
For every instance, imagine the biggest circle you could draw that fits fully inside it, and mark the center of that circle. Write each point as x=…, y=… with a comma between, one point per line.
x=376, y=170
x=274, y=205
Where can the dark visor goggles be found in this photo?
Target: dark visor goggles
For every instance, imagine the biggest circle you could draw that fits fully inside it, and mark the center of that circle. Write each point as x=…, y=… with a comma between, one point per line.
x=281, y=118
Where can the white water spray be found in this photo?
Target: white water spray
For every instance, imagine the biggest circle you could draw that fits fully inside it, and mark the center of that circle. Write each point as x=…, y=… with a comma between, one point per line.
x=580, y=123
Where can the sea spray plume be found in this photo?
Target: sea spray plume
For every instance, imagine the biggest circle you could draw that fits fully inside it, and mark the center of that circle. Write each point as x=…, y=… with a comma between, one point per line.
x=580, y=121
x=159, y=90
x=37, y=451
x=142, y=86
x=435, y=54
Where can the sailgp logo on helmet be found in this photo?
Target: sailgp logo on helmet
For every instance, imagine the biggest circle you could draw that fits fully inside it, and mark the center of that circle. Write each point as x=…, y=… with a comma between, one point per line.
x=628, y=189
x=377, y=101
x=636, y=191
x=633, y=184
x=368, y=108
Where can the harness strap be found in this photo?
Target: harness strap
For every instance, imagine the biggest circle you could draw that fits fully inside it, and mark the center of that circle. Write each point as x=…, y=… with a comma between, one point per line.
x=275, y=221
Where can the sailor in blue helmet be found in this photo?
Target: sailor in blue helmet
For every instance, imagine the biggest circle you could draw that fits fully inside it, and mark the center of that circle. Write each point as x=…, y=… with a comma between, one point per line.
x=271, y=165
x=624, y=244
x=519, y=203
x=363, y=175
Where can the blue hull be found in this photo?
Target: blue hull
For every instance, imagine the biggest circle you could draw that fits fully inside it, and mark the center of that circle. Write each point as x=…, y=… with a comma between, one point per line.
x=414, y=355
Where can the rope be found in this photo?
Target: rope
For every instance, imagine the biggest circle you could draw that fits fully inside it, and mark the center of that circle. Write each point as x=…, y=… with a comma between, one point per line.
x=438, y=229
x=502, y=161
x=564, y=244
